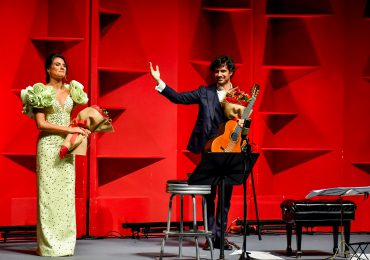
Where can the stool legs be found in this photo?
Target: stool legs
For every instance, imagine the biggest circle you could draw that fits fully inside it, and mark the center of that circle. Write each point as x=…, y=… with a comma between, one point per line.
x=195, y=227
x=181, y=223
x=168, y=226
x=181, y=231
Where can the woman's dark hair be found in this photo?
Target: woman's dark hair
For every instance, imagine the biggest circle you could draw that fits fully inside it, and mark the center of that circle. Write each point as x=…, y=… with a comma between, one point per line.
x=49, y=61
x=221, y=61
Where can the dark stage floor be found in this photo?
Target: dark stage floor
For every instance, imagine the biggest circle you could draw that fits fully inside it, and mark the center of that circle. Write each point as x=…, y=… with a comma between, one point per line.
x=272, y=246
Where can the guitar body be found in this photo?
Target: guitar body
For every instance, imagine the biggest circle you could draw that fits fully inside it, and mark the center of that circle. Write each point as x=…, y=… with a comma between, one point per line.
x=229, y=135
x=225, y=142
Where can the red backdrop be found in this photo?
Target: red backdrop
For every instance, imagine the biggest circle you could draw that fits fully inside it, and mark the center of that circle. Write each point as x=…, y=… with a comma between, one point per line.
x=310, y=124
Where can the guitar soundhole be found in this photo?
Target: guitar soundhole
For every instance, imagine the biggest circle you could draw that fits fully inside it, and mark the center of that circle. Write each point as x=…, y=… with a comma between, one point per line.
x=234, y=137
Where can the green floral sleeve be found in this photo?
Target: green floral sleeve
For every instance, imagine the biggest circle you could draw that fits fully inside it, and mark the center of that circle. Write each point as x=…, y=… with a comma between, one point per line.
x=77, y=93
x=37, y=96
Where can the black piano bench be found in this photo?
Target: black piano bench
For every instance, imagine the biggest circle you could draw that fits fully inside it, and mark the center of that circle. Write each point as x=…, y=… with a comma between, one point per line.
x=311, y=213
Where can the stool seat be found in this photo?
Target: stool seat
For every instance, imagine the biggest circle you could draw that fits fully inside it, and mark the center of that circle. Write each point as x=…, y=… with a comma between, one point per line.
x=181, y=188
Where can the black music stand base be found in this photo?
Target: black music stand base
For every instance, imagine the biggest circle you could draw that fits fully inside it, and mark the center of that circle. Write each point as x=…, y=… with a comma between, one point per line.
x=222, y=169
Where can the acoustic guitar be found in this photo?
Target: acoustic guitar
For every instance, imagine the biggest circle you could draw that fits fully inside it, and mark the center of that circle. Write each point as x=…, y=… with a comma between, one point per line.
x=229, y=138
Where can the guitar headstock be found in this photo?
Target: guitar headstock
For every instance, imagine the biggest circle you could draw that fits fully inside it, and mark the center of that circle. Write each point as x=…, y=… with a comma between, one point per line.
x=255, y=90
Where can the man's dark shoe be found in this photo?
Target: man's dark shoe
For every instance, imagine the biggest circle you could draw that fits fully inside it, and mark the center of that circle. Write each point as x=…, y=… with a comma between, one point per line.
x=227, y=245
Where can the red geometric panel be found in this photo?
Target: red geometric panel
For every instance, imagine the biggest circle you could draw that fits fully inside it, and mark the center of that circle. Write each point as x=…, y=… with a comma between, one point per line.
x=203, y=69
x=24, y=138
x=112, y=78
x=26, y=160
x=280, y=101
x=111, y=169
x=106, y=19
x=301, y=7
x=366, y=72
x=195, y=158
x=209, y=28
x=280, y=77
x=226, y=4
x=288, y=42
x=363, y=166
x=114, y=113
x=47, y=45
x=283, y=159
x=276, y=121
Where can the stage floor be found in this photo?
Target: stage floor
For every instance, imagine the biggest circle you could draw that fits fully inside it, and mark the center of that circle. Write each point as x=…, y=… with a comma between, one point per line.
x=272, y=246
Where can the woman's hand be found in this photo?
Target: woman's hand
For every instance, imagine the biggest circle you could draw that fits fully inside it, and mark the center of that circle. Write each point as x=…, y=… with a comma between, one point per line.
x=81, y=130
x=155, y=73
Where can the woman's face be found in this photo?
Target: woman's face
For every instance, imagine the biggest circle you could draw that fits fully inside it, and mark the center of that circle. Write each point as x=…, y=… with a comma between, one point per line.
x=58, y=69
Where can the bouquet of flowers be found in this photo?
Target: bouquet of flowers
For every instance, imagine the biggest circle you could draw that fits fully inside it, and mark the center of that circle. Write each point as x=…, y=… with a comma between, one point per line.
x=235, y=102
x=93, y=118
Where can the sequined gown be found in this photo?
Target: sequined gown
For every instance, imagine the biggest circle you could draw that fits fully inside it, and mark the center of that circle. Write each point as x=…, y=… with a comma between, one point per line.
x=56, y=219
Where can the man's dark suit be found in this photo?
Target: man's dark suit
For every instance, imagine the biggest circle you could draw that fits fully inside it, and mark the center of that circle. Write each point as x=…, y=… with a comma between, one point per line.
x=210, y=116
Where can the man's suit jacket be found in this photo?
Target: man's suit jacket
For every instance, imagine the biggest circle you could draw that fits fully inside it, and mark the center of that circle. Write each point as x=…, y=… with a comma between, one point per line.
x=210, y=114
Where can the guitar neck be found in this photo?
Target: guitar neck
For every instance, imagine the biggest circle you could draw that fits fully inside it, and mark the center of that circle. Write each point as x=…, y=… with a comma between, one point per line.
x=245, y=115
x=248, y=109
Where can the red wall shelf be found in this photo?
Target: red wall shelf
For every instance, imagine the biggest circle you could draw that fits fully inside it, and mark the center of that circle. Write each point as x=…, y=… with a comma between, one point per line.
x=365, y=166
x=226, y=10
x=296, y=8
x=277, y=157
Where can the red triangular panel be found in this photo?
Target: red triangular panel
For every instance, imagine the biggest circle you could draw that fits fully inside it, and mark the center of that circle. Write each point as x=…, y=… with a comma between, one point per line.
x=210, y=26
x=114, y=113
x=202, y=67
x=277, y=100
x=278, y=121
x=111, y=79
x=366, y=72
x=289, y=43
x=111, y=169
x=107, y=18
x=363, y=166
x=47, y=45
x=195, y=158
x=302, y=7
x=24, y=139
x=367, y=9
x=26, y=160
x=281, y=160
x=283, y=77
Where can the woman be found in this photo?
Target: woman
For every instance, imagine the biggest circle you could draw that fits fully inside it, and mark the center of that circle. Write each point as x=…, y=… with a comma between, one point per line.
x=51, y=105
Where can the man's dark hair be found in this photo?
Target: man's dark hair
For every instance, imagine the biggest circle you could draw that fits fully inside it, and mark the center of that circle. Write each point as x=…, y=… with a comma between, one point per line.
x=221, y=61
x=49, y=61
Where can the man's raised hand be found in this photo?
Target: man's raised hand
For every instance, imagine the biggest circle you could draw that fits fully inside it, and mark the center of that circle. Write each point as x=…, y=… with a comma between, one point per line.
x=155, y=72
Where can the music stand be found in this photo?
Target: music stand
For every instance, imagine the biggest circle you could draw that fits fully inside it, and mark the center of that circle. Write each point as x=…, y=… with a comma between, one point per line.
x=340, y=191
x=222, y=168
x=345, y=191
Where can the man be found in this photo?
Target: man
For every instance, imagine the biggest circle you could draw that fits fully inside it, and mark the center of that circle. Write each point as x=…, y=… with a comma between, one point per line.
x=210, y=116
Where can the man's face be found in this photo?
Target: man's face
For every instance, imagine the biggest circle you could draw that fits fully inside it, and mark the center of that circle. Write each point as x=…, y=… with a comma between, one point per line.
x=222, y=75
